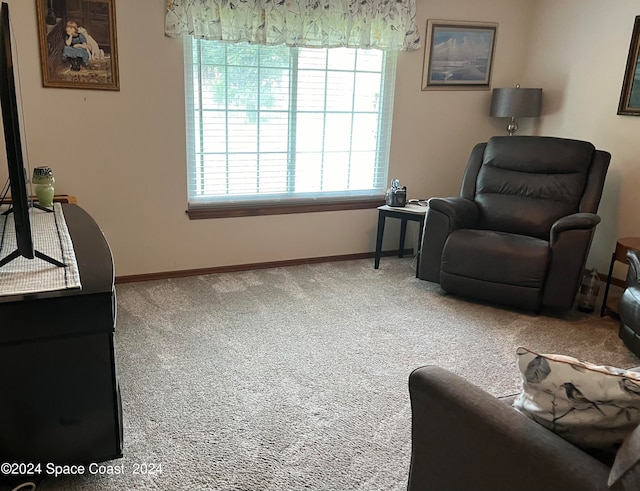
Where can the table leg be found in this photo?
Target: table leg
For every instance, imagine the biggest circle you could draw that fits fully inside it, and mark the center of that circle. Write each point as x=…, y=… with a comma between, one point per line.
x=603, y=309
x=419, y=246
x=403, y=234
x=381, y=218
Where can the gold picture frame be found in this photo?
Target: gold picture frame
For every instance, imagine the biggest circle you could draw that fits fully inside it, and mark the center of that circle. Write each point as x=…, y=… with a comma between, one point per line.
x=458, y=55
x=78, y=44
x=629, y=104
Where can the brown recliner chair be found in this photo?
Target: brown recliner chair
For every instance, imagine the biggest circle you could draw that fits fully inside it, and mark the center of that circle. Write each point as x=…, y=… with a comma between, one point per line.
x=629, y=307
x=521, y=229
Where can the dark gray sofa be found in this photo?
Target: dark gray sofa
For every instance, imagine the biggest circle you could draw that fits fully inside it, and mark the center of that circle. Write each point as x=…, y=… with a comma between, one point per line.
x=464, y=439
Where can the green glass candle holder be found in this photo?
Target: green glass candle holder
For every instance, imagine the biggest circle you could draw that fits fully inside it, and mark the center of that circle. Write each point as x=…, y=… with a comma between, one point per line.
x=43, y=181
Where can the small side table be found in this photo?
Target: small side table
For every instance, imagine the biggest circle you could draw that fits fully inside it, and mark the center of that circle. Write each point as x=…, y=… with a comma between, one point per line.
x=620, y=254
x=410, y=212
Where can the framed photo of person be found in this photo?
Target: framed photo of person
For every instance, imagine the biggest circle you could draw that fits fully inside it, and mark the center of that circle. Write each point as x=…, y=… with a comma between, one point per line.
x=78, y=45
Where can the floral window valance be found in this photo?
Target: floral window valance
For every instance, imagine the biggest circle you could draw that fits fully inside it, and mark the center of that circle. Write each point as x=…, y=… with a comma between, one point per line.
x=380, y=24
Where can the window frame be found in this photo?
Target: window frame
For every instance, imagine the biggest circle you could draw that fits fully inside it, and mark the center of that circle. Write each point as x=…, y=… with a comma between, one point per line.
x=293, y=204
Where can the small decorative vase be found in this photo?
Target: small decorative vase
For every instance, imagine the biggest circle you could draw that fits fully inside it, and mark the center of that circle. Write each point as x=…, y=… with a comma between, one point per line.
x=43, y=180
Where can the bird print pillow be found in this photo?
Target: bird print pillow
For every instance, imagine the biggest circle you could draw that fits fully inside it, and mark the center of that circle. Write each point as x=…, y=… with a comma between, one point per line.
x=594, y=407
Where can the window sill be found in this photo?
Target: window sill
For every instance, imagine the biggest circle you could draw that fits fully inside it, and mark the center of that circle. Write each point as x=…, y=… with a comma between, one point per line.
x=213, y=211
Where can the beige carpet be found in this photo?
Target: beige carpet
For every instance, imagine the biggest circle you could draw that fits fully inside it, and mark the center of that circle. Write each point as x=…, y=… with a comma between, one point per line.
x=296, y=378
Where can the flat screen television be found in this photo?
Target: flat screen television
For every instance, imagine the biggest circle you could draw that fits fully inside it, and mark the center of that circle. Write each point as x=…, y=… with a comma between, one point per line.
x=13, y=143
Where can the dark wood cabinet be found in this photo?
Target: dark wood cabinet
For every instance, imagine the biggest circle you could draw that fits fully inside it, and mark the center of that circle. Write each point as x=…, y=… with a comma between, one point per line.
x=60, y=394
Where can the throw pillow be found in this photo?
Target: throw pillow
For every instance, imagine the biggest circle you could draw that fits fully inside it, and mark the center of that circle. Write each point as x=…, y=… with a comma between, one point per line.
x=594, y=407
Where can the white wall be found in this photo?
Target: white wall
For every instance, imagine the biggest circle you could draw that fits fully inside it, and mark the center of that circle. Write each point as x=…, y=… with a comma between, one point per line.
x=578, y=55
x=434, y=131
x=124, y=156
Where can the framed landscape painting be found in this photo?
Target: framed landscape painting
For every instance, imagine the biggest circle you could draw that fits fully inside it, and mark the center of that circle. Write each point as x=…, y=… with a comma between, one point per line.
x=458, y=55
x=630, y=95
x=78, y=46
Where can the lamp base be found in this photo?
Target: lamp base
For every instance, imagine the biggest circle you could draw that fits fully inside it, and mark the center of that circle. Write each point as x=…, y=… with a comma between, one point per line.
x=512, y=127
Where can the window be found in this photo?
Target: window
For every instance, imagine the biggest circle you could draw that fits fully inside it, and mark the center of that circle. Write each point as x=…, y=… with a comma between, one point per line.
x=273, y=127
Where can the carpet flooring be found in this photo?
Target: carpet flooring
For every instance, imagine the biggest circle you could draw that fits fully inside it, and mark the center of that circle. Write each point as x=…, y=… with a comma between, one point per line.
x=296, y=378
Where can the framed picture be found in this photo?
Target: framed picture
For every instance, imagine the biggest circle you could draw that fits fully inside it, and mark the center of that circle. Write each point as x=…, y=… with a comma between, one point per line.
x=78, y=46
x=630, y=95
x=458, y=55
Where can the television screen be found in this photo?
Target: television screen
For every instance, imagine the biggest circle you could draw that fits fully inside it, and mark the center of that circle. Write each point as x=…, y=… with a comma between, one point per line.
x=10, y=120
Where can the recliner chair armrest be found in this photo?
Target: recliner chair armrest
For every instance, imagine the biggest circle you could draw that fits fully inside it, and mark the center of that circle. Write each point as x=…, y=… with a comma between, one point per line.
x=570, y=239
x=577, y=221
x=462, y=212
x=444, y=215
x=465, y=439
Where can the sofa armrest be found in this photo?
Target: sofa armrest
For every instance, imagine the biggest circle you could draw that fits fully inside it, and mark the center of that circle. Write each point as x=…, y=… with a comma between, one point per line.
x=463, y=438
x=444, y=215
x=625, y=473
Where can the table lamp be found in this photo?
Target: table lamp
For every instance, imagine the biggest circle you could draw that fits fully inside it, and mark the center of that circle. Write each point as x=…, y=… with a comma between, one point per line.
x=515, y=103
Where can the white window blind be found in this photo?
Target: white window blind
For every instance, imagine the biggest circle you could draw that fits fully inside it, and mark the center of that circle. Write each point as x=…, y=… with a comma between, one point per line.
x=273, y=124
